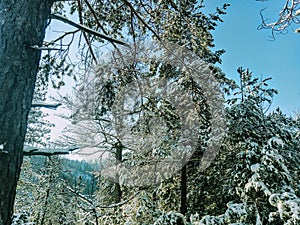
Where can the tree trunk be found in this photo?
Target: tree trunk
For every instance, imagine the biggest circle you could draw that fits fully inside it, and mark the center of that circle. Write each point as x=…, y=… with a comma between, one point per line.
x=118, y=191
x=183, y=188
x=22, y=24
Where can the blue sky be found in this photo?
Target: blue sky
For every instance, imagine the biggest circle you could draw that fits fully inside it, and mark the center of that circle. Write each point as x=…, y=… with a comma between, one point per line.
x=251, y=48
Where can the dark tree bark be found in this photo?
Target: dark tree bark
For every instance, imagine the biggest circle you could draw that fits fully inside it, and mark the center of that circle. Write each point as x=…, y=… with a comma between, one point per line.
x=22, y=24
x=118, y=191
x=183, y=188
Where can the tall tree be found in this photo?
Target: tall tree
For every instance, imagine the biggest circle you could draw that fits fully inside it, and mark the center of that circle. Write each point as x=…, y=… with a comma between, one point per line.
x=92, y=115
x=22, y=25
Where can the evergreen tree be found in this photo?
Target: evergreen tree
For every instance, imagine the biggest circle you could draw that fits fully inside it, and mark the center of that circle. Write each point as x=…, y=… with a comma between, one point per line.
x=97, y=125
x=256, y=167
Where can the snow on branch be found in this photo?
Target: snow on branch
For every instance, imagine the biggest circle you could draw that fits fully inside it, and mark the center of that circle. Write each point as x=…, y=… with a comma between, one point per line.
x=87, y=29
x=118, y=203
x=45, y=105
x=29, y=151
x=288, y=15
x=46, y=48
x=114, y=205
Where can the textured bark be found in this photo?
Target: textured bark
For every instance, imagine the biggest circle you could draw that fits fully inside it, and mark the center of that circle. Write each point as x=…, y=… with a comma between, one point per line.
x=22, y=24
x=183, y=188
x=118, y=191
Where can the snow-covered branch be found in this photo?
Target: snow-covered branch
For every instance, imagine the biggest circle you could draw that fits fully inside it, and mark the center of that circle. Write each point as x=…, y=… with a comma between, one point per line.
x=288, y=15
x=29, y=151
x=45, y=105
x=114, y=205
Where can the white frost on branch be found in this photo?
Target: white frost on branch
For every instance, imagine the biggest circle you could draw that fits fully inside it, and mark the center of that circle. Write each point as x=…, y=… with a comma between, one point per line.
x=275, y=140
x=45, y=105
x=21, y=219
x=255, y=167
x=29, y=150
x=2, y=148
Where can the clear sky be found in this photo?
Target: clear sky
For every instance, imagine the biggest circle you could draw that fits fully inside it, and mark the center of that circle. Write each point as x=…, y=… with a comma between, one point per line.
x=251, y=48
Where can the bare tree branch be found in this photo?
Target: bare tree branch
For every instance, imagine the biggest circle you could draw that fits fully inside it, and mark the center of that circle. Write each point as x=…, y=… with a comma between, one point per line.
x=87, y=29
x=98, y=23
x=83, y=197
x=141, y=19
x=84, y=34
x=117, y=204
x=62, y=36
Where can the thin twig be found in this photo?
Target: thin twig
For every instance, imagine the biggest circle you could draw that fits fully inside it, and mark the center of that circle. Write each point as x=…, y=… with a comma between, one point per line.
x=84, y=34
x=141, y=19
x=83, y=197
x=62, y=36
x=96, y=19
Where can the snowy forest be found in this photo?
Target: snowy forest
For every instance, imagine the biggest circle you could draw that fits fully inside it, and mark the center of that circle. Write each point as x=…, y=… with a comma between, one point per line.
x=173, y=139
